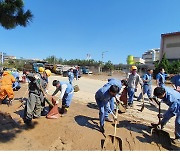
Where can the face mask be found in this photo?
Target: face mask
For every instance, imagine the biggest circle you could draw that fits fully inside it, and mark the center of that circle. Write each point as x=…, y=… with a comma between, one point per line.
x=134, y=72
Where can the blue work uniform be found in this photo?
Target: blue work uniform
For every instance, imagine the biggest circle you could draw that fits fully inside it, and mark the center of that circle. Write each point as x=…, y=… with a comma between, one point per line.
x=161, y=78
x=77, y=74
x=16, y=85
x=176, y=80
x=147, y=86
x=67, y=97
x=103, y=96
x=172, y=99
x=71, y=77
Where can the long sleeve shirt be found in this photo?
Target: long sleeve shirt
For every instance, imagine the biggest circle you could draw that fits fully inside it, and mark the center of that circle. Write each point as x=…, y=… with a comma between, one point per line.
x=133, y=80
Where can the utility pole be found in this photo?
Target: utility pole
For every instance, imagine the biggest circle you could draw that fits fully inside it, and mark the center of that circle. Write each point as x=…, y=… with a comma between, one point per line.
x=2, y=58
x=103, y=58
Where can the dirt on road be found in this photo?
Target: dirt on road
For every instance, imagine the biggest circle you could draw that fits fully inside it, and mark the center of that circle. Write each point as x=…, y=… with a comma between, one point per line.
x=79, y=129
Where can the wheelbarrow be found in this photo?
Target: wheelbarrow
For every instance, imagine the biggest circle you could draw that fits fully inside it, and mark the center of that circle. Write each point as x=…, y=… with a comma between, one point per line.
x=112, y=142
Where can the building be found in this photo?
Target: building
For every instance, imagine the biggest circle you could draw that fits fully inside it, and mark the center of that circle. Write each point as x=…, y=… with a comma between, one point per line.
x=170, y=46
x=138, y=60
x=151, y=56
x=4, y=57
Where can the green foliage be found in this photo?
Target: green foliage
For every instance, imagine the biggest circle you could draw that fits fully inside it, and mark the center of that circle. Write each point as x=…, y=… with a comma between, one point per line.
x=15, y=63
x=171, y=68
x=55, y=60
x=12, y=14
x=108, y=66
x=174, y=68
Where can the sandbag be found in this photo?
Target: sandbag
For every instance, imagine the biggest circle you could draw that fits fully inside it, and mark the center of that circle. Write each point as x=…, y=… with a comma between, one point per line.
x=76, y=88
x=54, y=112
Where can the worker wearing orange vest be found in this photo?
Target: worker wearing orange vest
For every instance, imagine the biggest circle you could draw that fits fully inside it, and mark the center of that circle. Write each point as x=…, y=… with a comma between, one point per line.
x=6, y=89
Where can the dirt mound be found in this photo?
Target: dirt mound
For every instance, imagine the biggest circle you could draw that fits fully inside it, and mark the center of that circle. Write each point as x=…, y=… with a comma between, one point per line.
x=60, y=144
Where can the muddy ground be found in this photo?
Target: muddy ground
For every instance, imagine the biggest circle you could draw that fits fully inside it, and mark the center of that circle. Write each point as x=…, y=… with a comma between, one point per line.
x=79, y=130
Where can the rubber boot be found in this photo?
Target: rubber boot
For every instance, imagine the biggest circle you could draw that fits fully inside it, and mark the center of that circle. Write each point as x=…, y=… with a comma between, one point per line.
x=62, y=109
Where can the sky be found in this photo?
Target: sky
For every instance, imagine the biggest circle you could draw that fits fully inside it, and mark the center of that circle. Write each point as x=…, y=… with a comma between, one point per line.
x=71, y=29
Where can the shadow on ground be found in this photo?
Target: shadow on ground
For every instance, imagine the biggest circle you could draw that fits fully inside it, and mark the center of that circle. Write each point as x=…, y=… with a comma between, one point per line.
x=87, y=122
x=92, y=105
x=151, y=107
x=9, y=128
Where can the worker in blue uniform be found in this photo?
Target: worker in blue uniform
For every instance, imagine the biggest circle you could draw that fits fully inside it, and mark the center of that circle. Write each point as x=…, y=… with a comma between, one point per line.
x=16, y=84
x=172, y=98
x=66, y=95
x=161, y=78
x=71, y=76
x=105, y=95
x=116, y=82
x=147, y=85
x=176, y=81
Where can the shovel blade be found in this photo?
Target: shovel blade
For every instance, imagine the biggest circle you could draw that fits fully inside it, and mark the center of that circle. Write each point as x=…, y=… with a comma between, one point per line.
x=112, y=143
x=142, y=108
x=121, y=108
x=161, y=137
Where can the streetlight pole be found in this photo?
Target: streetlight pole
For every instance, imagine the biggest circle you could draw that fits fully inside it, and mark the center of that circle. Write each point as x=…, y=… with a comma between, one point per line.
x=103, y=55
x=102, y=58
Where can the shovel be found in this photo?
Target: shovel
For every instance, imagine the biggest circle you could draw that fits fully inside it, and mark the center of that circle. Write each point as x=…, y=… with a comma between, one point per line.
x=142, y=107
x=112, y=142
x=157, y=133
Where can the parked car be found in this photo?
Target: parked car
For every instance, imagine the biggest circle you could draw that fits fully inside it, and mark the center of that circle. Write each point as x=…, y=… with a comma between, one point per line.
x=58, y=69
x=85, y=70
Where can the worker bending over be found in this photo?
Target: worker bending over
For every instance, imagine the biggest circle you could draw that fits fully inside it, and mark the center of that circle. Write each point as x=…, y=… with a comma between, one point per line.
x=6, y=89
x=105, y=95
x=67, y=92
x=172, y=98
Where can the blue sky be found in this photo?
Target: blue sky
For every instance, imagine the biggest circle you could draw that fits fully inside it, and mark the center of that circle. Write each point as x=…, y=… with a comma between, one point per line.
x=71, y=29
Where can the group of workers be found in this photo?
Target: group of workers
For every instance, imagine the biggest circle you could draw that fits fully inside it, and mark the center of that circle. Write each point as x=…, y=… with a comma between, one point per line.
x=171, y=96
x=38, y=88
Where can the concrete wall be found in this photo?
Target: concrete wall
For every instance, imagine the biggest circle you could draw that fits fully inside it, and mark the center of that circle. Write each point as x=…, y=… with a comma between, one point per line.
x=170, y=45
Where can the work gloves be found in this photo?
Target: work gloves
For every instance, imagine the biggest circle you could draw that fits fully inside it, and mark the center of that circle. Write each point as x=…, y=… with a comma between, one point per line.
x=160, y=116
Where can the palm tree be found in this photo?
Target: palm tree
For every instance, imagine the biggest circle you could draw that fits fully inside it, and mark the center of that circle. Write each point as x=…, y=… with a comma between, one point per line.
x=12, y=14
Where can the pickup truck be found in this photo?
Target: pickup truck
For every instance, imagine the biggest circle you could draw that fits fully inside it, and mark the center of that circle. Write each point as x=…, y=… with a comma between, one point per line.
x=33, y=67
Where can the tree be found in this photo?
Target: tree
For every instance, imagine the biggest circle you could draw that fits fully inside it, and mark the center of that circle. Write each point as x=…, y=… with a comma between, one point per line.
x=54, y=60
x=109, y=66
x=174, y=68
x=12, y=14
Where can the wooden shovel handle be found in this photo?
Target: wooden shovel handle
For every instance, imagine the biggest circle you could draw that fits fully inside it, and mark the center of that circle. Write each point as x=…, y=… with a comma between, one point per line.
x=116, y=114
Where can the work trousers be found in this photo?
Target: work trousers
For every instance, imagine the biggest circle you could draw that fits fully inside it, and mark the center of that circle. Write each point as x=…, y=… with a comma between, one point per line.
x=147, y=89
x=67, y=98
x=131, y=92
x=111, y=104
x=103, y=108
x=33, y=106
